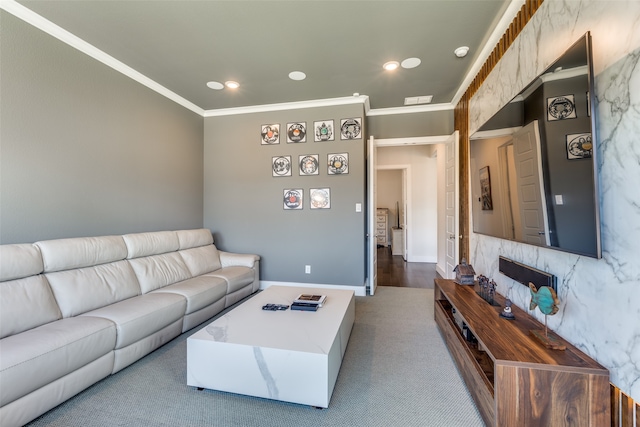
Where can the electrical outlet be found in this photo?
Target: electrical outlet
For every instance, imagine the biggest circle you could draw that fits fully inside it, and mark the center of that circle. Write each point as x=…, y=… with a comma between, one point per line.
x=307, y=269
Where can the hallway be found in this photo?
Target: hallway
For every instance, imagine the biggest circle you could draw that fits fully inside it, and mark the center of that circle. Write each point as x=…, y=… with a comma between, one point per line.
x=394, y=271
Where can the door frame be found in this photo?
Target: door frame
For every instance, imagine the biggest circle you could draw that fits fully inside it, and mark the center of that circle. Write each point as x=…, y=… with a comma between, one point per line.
x=372, y=241
x=372, y=145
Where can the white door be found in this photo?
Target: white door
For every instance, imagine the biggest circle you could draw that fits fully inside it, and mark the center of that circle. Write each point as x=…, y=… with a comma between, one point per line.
x=452, y=242
x=372, y=273
x=528, y=164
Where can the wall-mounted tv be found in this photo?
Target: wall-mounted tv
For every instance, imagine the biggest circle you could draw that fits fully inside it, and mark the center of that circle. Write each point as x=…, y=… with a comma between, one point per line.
x=533, y=164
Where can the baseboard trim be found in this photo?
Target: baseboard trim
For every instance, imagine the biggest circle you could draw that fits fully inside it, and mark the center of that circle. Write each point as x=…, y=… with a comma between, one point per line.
x=430, y=259
x=440, y=271
x=360, y=291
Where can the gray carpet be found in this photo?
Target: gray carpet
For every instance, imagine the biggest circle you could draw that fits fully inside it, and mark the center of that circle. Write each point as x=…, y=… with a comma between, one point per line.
x=396, y=372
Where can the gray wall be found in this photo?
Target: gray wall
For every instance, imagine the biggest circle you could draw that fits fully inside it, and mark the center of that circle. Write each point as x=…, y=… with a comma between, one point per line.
x=243, y=203
x=85, y=150
x=432, y=123
x=575, y=220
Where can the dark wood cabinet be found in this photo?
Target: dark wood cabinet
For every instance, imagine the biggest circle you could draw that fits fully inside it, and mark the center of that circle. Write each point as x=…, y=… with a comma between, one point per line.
x=515, y=380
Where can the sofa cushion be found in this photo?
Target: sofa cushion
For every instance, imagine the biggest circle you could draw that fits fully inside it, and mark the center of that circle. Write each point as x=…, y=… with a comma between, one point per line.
x=67, y=254
x=204, y=259
x=37, y=357
x=199, y=292
x=194, y=238
x=154, y=243
x=26, y=304
x=138, y=317
x=157, y=271
x=84, y=289
x=18, y=261
x=236, y=277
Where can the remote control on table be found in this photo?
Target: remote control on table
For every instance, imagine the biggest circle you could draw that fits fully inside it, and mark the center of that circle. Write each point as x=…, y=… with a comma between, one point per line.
x=275, y=307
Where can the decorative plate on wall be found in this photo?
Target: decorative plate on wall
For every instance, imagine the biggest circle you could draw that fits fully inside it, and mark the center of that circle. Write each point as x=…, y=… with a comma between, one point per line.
x=293, y=198
x=323, y=130
x=270, y=134
x=320, y=198
x=579, y=146
x=281, y=165
x=296, y=132
x=350, y=128
x=308, y=164
x=338, y=164
x=561, y=107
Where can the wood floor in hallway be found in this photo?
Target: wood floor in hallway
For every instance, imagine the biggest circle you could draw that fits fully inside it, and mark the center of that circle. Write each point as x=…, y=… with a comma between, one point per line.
x=394, y=271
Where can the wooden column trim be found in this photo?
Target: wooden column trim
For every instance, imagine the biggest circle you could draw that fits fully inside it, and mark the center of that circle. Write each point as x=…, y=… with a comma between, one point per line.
x=461, y=116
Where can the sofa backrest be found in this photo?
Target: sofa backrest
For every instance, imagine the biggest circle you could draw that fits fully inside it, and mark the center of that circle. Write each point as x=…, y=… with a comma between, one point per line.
x=155, y=260
x=87, y=273
x=51, y=279
x=84, y=289
x=198, y=251
x=26, y=301
x=188, y=239
x=79, y=252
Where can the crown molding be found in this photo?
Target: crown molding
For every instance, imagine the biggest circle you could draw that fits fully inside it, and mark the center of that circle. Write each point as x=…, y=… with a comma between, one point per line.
x=328, y=102
x=501, y=27
x=30, y=17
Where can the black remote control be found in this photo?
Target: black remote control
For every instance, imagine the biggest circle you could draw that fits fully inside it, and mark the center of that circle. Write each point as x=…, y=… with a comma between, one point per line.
x=275, y=307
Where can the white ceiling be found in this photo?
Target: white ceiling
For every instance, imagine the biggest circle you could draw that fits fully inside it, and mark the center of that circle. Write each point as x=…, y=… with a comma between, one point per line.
x=340, y=45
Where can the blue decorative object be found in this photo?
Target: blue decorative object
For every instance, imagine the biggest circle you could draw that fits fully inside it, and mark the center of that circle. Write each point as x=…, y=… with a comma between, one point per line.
x=546, y=299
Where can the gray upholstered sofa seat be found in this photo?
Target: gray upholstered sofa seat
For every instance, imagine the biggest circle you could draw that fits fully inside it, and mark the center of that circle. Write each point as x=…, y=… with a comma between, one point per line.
x=73, y=311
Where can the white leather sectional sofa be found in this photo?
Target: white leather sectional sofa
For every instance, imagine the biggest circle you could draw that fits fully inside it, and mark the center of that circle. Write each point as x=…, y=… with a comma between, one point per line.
x=74, y=311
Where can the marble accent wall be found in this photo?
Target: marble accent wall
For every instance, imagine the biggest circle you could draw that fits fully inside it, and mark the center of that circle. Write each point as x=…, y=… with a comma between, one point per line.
x=600, y=299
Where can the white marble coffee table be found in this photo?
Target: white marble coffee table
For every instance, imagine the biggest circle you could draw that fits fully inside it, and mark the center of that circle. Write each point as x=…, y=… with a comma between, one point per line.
x=293, y=356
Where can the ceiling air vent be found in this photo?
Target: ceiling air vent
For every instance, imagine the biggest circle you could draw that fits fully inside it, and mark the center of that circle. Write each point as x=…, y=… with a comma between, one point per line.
x=415, y=100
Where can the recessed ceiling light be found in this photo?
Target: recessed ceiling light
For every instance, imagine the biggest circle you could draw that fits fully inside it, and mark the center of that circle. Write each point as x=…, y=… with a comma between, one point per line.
x=297, y=75
x=411, y=63
x=232, y=85
x=462, y=51
x=215, y=85
x=391, y=65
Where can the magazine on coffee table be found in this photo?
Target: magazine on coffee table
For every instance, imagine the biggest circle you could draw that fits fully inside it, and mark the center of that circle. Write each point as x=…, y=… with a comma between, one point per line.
x=310, y=299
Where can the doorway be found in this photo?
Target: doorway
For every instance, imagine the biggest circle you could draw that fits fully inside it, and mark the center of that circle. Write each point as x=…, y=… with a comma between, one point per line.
x=425, y=239
x=393, y=194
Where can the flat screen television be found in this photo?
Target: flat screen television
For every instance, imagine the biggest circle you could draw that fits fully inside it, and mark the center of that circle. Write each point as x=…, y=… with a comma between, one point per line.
x=533, y=164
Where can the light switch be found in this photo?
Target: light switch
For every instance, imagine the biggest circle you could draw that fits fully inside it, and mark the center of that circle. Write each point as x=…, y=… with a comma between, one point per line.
x=559, y=200
x=358, y=207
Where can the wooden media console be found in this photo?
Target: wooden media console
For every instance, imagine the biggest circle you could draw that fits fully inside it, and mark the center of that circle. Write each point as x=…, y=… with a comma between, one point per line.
x=515, y=380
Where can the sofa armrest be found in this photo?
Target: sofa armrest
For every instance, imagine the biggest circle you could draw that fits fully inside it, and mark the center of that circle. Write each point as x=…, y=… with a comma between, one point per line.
x=228, y=259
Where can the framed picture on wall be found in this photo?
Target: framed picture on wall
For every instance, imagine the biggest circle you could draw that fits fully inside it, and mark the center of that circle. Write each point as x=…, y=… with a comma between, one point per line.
x=350, y=128
x=579, y=146
x=561, y=108
x=296, y=132
x=338, y=164
x=485, y=189
x=270, y=134
x=281, y=166
x=308, y=164
x=292, y=198
x=323, y=131
x=320, y=198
